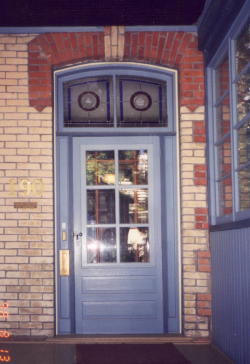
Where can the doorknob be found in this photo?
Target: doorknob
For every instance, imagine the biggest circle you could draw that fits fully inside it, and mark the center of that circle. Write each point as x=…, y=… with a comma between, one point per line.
x=77, y=235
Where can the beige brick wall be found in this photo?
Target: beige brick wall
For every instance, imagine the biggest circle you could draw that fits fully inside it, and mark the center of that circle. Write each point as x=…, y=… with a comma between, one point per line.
x=26, y=235
x=196, y=283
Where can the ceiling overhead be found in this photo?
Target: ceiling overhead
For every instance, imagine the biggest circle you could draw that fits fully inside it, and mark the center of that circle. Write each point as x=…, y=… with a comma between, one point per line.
x=29, y=13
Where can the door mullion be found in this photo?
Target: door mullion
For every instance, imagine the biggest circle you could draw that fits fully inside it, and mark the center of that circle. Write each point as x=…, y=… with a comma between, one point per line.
x=117, y=205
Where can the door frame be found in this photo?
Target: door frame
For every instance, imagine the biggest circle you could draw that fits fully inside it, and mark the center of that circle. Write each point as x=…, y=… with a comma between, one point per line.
x=169, y=146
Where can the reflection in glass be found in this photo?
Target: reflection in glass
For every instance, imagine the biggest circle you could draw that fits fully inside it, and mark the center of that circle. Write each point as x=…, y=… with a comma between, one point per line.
x=242, y=48
x=134, y=206
x=100, y=167
x=244, y=186
x=101, y=245
x=134, y=244
x=223, y=119
x=225, y=196
x=133, y=167
x=222, y=78
x=101, y=206
x=243, y=95
x=244, y=144
x=225, y=157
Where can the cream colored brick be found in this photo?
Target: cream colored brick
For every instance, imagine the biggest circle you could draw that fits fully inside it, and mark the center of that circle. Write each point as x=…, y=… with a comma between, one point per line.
x=193, y=117
x=186, y=138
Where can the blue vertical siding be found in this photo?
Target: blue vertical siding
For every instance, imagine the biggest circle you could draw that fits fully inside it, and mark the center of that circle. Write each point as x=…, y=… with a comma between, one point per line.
x=231, y=293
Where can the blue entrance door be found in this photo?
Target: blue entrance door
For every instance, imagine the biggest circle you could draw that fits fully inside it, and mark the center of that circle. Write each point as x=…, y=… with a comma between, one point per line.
x=117, y=235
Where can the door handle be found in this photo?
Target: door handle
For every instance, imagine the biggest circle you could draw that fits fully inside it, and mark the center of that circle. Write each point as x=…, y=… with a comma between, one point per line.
x=77, y=235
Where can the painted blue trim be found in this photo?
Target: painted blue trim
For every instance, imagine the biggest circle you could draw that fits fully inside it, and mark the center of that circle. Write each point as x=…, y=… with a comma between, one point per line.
x=41, y=30
x=161, y=28
x=160, y=103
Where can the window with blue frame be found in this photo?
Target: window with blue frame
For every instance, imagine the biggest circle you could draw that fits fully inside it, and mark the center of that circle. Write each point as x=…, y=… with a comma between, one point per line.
x=230, y=130
x=115, y=98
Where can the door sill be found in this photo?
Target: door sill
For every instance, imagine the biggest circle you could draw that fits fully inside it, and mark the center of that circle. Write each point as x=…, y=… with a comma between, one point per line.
x=127, y=339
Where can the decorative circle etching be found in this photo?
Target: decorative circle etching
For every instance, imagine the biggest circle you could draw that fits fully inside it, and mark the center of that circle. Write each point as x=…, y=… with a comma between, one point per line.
x=88, y=101
x=141, y=101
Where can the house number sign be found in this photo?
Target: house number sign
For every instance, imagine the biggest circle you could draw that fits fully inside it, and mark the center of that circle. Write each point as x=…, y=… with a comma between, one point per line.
x=26, y=187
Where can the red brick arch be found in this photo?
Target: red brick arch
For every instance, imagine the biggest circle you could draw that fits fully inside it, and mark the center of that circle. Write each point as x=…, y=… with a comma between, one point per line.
x=171, y=49
x=54, y=49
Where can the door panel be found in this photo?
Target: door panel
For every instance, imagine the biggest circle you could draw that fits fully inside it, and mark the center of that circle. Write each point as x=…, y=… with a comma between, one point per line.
x=118, y=255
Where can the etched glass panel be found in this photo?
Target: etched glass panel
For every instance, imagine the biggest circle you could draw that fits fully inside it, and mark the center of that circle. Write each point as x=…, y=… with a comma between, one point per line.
x=100, y=168
x=133, y=167
x=134, y=206
x=101, y=245
x=134, y=244
x=88, y=102
x=142, y=102
x=101, y=206
x=244, y=188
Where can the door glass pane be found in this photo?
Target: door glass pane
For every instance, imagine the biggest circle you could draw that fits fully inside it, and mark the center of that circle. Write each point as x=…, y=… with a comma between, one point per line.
x=101, y=206
x=100, y=169
x=134, y=244
x=134, y=206
x=101, y=245
x=133, y=167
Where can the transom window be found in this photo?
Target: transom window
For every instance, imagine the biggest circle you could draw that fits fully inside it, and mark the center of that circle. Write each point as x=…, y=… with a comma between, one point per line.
x=115, y=98
x=231, y=130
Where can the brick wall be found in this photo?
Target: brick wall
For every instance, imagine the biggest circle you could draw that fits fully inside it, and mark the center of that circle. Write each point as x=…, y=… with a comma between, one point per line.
x=26, y=235
x=27, y=239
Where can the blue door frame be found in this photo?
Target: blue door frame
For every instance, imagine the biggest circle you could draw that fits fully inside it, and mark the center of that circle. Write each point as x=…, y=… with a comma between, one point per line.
x=168, y=160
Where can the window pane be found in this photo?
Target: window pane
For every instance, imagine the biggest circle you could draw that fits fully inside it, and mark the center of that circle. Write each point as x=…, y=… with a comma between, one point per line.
x=134, y=244
x=88, y=102
x=225, y=196
x=224, y=158
x=101, y=245
x=222, y=78
x=133, y=167
x=223, y=118
x=243, y=49
x=101, y=206
x=100, y=169
x=142, y=102
x=244, y=187
x=244, y=144
x=243, y=95
x=134, y=206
